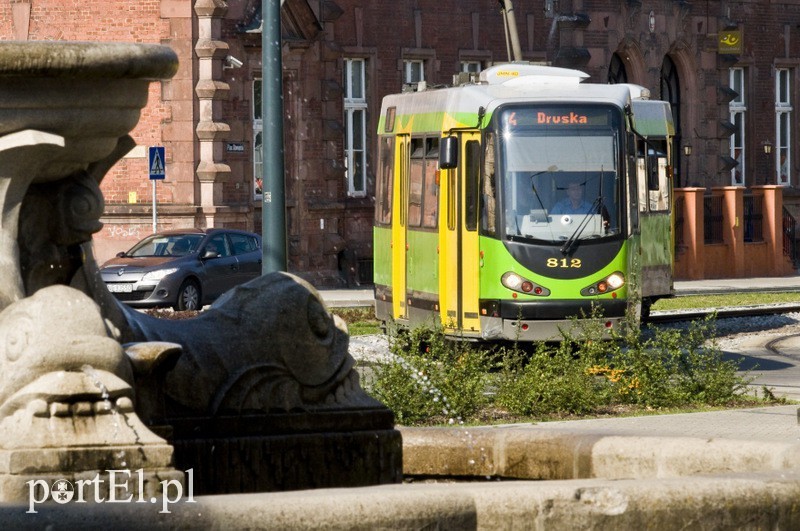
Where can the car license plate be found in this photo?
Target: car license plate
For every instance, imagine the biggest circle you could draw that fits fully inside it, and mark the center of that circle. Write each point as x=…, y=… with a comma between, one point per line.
x=120, y=287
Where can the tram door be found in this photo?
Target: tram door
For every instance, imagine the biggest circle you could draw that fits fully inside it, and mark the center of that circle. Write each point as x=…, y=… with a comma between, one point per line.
x=459, y=260
x=399, y=228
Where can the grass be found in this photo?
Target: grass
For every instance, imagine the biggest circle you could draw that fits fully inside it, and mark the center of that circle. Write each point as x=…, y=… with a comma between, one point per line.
x=360, y=321
x=718, y=301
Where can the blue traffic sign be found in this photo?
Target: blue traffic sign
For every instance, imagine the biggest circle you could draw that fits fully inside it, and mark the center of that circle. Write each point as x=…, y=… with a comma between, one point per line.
x=155, y=163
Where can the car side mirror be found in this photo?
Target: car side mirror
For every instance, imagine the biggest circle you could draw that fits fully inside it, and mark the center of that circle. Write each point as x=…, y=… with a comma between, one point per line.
x=210, y=254
x=120, y=254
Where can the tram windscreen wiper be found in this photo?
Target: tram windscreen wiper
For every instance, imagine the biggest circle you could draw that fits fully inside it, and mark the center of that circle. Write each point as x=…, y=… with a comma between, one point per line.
x=572, y=240
x=550, y=169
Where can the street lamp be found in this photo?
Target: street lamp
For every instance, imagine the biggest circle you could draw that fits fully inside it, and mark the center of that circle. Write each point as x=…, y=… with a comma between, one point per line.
x=687, y=152
x=768, y=151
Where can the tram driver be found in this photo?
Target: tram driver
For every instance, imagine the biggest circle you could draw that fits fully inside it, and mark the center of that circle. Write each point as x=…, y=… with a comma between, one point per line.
x=573, y=203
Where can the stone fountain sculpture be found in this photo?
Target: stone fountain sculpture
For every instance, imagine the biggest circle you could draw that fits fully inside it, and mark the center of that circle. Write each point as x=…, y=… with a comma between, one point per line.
x=258, y=393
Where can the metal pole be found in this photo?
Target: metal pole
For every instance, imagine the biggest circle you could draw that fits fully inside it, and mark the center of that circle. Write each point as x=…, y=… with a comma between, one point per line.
x=155, y=215
x=273, y=209
x=512, y=25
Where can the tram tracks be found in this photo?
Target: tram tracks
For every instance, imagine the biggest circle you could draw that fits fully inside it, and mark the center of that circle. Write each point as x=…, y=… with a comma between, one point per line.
x=773, y=346
x=674, y=316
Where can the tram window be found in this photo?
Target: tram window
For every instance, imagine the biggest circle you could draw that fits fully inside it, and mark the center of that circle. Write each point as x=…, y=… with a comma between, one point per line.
x=472, y=157
x=430, y=201
x=383, y=186
x=488, y=188
x=659, y=195
x=403, y=184
x=641, y=181
x=416, y=176
x=451, y=199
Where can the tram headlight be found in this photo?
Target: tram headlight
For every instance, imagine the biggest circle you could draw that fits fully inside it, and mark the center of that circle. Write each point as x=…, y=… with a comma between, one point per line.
x=517, y=283
x=615, y=280
x=612, y=282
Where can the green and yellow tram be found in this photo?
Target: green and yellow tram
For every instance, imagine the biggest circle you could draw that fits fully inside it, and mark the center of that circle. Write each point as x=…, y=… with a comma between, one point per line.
x=511, y=204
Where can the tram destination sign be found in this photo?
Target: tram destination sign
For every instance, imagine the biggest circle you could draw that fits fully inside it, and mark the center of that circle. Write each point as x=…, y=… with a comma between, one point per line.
x=557, y=117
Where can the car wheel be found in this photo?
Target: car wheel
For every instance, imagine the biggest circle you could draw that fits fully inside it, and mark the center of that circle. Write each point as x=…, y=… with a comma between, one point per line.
x=188, y=296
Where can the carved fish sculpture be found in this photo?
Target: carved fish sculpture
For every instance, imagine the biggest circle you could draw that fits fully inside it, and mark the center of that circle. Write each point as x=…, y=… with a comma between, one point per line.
x=266, y=345
x=65, y=380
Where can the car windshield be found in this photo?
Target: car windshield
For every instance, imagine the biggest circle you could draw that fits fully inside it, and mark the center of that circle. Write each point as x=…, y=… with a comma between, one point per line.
x=560, y=173
x=166, y=245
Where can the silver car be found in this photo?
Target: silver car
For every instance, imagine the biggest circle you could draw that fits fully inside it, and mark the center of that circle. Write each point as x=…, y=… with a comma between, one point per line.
x=185, y=269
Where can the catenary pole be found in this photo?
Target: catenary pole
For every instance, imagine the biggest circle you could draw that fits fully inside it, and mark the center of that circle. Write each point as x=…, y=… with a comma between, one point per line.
x=273, y=209
x=512, y=28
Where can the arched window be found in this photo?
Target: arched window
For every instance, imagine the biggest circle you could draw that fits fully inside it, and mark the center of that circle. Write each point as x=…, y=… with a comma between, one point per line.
x=616, y=71
x=670, y=91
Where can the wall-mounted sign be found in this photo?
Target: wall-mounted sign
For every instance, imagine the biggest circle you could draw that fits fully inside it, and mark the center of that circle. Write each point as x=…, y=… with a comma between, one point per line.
x=234, y=147
x=730, y=42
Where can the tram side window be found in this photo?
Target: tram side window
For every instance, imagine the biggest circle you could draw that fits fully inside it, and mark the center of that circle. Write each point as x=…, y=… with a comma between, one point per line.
x=385, y=182
x=423, y=189
x=652, y=176
x=472, y=177
x=488, y=196
x=416, y=181
x=431, y=202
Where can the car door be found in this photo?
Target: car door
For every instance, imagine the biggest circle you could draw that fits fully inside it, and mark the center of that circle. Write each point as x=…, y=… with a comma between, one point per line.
x=247, y=251
x=222, y=269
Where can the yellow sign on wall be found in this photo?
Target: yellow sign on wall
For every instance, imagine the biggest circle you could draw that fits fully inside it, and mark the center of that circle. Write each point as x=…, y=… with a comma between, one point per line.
x=730, y=42
x=131, y=197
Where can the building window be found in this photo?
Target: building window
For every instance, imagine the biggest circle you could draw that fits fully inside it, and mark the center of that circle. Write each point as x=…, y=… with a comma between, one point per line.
x=783, y=119
x=258, y=143
x=414, y=71
x=473, y=67
x=616, y=70
x=355, y=120
x=738, y=110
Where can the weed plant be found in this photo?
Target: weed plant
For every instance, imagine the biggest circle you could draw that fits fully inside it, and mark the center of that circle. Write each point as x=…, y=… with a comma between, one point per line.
x=430, y=378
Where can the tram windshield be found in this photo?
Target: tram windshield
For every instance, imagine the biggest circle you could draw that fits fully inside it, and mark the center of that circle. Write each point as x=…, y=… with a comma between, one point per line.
x=560, y=176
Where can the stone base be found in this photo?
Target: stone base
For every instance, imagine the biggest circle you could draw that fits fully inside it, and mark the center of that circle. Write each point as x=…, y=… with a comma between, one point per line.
x=278, y=452
x=95, y=474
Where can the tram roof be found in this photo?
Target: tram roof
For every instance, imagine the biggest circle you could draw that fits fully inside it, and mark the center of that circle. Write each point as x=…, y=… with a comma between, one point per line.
x=445, y=108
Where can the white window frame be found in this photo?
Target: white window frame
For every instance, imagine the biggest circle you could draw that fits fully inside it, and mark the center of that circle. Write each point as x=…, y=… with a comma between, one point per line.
x=414, y=71
x=258, y=150
x=471, y=66
x=738, y=115
x=783, y=136
x=355, y=120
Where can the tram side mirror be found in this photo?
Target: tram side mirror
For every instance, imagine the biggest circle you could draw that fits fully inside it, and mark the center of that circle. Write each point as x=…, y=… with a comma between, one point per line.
x=448, y=153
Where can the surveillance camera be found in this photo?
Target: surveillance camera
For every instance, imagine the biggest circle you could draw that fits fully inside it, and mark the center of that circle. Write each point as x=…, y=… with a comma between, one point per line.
x=233, y=62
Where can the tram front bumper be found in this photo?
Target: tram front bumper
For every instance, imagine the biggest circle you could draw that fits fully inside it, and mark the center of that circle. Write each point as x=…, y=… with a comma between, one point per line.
x=550, y=320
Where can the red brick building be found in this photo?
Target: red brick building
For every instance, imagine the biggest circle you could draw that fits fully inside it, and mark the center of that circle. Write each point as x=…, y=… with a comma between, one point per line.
x=730, y=69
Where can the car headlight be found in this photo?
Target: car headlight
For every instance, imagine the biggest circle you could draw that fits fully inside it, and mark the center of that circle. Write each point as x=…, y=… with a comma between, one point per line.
x=158, y=274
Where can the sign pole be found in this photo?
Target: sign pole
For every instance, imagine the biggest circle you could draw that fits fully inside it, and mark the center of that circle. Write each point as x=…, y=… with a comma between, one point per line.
x=157, y=169
x=155, y=215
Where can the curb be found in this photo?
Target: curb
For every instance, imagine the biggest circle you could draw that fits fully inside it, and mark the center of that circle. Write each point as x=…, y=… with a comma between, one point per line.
x=529, y=453
x=758, y=501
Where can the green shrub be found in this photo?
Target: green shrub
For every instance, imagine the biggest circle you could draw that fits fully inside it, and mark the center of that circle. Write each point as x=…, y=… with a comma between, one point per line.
x=430, y=378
